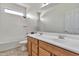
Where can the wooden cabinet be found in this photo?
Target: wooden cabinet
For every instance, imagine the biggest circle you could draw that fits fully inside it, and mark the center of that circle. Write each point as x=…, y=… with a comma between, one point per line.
x=32, y=46
x=43, y=52
x=40, y=48
x=29, y=46
x=35, y=48
x=34, y=54
x=55, y=50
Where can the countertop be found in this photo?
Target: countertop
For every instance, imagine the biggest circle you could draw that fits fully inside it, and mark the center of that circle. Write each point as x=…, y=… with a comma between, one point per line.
x=66, y=43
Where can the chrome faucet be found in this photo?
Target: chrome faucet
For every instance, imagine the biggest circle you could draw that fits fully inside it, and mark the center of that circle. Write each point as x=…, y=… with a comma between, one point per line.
x=40, y=33
x=61, y=37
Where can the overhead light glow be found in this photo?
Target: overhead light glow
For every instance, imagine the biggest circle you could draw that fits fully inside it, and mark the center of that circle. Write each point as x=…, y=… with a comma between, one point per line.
x=29, y=16
x=42, y=19
x=13, y=12
x=44, y=4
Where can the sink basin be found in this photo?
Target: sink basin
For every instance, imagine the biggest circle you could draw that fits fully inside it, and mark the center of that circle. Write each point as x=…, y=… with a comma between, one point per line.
x=51, y=37
x=66, y=40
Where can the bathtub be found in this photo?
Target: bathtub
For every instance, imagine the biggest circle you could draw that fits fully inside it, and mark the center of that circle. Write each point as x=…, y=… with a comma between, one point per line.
x=11, y=31
x=10, y=43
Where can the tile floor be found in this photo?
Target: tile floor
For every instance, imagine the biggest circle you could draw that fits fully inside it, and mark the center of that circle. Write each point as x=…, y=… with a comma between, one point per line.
x=14, y=52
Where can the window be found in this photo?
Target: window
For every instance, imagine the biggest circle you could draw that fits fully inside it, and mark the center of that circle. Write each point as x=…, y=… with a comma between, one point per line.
x=13, y=12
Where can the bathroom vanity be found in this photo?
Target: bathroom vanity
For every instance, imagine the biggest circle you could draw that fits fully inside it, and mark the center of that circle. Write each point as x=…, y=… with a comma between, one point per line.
x=39, y=47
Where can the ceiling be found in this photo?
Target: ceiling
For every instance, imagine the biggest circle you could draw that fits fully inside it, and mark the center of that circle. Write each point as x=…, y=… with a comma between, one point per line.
x=36, y=7
x=33, y=8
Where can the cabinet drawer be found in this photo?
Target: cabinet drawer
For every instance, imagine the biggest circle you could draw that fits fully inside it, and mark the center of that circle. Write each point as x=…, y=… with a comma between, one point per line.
x=46, y=46
x=35, y=48
x=63, y=52
x=34, y=40
x=43, y=52
x=56, y=50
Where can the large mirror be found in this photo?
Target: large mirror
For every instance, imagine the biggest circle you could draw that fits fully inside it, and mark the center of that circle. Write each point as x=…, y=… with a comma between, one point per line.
x=60, y=18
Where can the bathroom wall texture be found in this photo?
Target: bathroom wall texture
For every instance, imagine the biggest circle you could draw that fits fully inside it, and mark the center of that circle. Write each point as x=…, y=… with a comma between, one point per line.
x=32, y=19
x=29, y=24
x=11, y=26
x=53, y=19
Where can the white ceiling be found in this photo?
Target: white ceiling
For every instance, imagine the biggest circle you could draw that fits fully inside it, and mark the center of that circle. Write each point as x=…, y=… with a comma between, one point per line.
x=36, y=7
x=33, y=8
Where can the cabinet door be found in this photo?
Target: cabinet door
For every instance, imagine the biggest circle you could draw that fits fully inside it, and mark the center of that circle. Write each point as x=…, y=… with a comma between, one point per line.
x=29, y=46
x=34, y=54
x=32, y=46
x=34, y=40
x=43, y=52
x=35, y=48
